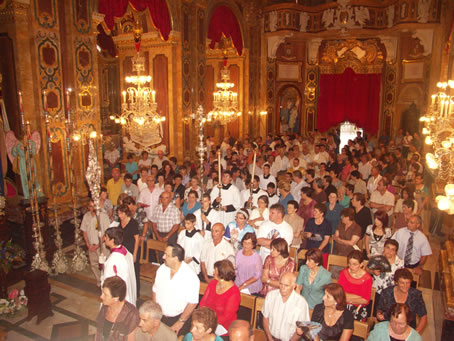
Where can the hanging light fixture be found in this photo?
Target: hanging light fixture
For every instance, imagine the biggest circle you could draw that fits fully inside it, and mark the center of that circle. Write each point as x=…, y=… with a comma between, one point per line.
x=225, y=100
x=439, y=131
x=139, y=107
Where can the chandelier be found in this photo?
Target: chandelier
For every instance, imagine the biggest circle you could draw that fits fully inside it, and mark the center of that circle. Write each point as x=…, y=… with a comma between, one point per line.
x=439, y=131
x=225, y=101
x=139, y=107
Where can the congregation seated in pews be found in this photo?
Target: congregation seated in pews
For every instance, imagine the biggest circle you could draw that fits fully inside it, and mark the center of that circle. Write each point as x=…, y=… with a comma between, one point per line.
x=306, y=235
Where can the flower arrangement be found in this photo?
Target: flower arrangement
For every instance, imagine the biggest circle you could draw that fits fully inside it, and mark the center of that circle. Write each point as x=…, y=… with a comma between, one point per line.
x=10, y=254
x=16, y=301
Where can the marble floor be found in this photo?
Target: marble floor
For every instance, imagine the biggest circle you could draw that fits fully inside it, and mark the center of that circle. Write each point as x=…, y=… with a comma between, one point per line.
x=75, y=297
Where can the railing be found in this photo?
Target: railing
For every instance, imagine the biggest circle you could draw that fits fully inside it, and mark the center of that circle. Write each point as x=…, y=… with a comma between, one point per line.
x=356, y=14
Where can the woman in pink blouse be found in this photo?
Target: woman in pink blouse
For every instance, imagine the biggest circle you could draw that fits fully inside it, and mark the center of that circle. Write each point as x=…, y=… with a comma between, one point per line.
x=276, y=264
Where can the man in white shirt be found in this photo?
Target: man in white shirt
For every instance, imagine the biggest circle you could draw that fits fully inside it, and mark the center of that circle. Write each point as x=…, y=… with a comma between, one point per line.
x=142, y=182
x=414, y=248
x=281, y=162
x=296, y=185
x=266, y=177
x=382, y=199
x=214, y=249
x=283, y=308
x=364, y=167
x=159, y=159
x=91, y=233
x=276, y=227
x=176, y=290
x=149, y=197
x=374, y=179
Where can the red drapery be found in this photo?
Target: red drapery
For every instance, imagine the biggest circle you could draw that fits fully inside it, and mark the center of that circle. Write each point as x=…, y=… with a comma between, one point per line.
x=224, y=21
x=158, y=9
x=349, y=96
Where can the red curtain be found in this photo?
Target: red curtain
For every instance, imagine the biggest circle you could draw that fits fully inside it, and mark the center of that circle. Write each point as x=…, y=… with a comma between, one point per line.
x=158, y=9
x=349, y=96
x=224, y=21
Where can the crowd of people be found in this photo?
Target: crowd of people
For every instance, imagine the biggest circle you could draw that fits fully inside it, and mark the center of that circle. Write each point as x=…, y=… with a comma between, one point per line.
x=232, y=223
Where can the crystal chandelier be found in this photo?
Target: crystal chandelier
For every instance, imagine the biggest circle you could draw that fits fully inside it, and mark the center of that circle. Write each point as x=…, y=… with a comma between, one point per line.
x=139, y=108
x=439, y=131
x=225, y=101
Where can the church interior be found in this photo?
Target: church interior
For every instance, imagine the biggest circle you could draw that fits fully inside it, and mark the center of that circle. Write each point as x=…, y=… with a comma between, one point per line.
x=80, y=79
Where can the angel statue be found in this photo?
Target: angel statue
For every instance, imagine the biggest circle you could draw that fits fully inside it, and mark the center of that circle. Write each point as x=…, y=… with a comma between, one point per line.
x=16, y=154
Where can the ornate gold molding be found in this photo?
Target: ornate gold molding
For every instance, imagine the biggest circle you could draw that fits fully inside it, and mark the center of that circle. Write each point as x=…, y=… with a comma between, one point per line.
x=14, y=11
x=362, y=56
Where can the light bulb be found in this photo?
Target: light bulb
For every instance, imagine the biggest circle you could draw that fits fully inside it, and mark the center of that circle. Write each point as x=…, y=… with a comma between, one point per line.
x=444, y=203
x=446, y=144
x=428, y=140
x=76, y=137
x=449, y=190
x=93, y=134
x=425, y=131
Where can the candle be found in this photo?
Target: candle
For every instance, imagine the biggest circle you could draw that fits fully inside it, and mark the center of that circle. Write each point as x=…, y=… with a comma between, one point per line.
x=219, y=165
x=21, y=107
x=67, y=98
x=124, y=96
x=253, y=167
x=433, y=99
x=442, y=107
x=45, y=100
x=153, y=96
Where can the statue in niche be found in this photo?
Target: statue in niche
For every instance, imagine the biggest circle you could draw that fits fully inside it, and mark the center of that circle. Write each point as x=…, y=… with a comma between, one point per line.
x=289, y=112
x=273, y=21
x=423, y=11
x=410, y=118
x=304, y=19
x=16, y=154
x=390, y=15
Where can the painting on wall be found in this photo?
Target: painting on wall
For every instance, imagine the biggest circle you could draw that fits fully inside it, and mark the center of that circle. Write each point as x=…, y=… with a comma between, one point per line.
x=290, y=111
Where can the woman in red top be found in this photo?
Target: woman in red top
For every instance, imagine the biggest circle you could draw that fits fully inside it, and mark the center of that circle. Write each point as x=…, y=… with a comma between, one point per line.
x=357, y=284
x=222, y=295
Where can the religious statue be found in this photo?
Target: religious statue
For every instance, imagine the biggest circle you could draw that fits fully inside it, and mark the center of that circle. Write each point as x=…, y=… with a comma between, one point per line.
x=423, y=11
x=390, y=15
x=304, y=19
x=16, y=154
x=273, y=21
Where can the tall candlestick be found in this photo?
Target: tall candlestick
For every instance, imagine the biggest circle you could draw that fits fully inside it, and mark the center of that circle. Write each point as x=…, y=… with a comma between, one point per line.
x=219, y=166
x=253, y=167
x=124, y=96
x=153, y=96
x=21, y=107
x=45, y=100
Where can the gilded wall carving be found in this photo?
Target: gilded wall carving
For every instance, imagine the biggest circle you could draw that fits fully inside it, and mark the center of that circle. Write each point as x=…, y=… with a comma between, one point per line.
x=361, y=56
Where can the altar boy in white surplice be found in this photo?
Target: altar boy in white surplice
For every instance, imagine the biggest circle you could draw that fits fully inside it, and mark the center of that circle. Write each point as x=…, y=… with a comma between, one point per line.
x=120, y=263
x=191, y=241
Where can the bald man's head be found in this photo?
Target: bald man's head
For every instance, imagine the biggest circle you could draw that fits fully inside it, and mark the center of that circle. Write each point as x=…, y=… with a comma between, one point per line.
x=240, y=330
x=287, y=284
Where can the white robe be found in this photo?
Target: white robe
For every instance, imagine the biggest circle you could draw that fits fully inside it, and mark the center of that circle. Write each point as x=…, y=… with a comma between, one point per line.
x=229, y=197
x=125, y=270
x=192, y=248
x=213, y=217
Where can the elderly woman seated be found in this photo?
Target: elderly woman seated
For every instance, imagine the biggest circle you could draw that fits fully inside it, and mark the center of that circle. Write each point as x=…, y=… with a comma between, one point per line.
x=312, y=278
x=398, y=326
x=204, y=323
x=117, y=319
x=336, y=320
x=357, y=284
x=403, y=292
